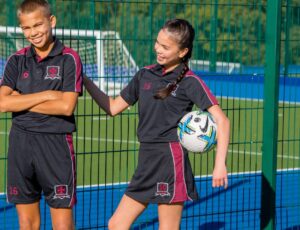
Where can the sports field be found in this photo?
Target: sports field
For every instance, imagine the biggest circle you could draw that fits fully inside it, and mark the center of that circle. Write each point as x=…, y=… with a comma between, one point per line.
x=107, y=151
x=238, y=207
x=107, y=147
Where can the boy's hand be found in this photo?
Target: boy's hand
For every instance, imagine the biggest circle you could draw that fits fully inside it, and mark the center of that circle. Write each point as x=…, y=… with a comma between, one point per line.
x=15, y=93
x=53, y=94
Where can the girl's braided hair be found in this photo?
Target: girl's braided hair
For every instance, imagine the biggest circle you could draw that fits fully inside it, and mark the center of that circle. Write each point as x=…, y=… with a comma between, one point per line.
x=183, y=32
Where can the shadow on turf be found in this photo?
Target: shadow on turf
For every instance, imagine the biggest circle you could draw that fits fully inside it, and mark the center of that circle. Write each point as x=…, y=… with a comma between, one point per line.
x=4, y=209
x=210, y=225
x=296, y=227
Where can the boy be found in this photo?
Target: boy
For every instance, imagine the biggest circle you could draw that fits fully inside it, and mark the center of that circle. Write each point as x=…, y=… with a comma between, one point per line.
x=40, y=86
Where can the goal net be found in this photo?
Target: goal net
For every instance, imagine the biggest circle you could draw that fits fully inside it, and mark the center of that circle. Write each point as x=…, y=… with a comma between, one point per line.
x=106, y=59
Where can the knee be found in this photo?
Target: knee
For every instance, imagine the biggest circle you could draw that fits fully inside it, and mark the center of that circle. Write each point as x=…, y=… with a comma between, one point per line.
x=112, y=224
x=28, y=223
x=63, y=226
x=173, y=226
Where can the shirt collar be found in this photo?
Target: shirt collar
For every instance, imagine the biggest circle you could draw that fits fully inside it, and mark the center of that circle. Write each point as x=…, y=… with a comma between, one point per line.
x=160, y=69
x=178, y=69
x=56, y=49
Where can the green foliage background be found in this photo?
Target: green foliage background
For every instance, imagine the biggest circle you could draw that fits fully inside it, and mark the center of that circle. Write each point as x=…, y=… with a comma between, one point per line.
x=239, y=25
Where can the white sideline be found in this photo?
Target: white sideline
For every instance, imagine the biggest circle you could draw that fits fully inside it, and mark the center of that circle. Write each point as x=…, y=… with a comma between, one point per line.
x=285, y=156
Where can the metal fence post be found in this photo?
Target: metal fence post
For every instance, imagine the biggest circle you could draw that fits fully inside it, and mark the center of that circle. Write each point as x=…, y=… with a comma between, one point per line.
x=270, y=114
x=213, y=37
x=287, y=38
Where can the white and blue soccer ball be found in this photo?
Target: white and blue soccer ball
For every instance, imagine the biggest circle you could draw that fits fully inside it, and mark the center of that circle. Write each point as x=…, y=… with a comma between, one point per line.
x=197, y=131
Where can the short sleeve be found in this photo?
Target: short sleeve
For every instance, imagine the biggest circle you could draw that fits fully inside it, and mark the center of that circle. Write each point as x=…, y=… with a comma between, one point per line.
x=131, y=92
x=198, y=92
x=11, y=73
x=72, y=72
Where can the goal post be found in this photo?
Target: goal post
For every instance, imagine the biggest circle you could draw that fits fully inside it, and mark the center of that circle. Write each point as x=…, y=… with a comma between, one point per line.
x=106, y=59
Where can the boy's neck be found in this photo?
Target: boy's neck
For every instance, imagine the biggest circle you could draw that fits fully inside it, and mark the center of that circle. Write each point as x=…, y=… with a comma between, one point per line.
x=44, y=52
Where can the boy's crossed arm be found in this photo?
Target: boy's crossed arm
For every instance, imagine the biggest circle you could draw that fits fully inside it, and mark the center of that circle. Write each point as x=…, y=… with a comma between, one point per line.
x=47, y=102
x=65, y=105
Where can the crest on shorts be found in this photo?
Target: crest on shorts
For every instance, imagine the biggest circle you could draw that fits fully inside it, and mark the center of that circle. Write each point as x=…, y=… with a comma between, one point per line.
x=61, y=192
x=162, y=189
x=53, y=72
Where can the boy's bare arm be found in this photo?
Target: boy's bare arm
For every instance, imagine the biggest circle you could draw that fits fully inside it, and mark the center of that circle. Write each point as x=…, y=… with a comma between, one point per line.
x=63, y=106
x=10, y=102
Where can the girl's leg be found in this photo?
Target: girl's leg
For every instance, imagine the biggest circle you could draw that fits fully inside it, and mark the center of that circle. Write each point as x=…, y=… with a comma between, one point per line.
x=62, y=219
x=126, y=213
x=29, y=216
x=169, y=216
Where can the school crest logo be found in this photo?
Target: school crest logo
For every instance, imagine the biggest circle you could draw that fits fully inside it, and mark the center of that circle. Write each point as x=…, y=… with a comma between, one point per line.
x=147, y=86
x=162, y=189
x=53, y=72
x=61, y=192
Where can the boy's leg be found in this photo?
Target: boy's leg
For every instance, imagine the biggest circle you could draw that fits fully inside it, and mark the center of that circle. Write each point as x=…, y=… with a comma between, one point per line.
x=22, y=187
x=169, y=216
x=29, y=216
x=56, y=170
x=55, y=167
x=62, y=218
x=126, y=213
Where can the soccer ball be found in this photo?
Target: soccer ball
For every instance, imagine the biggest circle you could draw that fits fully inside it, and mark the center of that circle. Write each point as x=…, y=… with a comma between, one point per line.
x=197, y=131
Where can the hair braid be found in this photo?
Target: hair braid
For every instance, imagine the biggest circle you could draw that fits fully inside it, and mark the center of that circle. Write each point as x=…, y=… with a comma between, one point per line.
x=165, y=92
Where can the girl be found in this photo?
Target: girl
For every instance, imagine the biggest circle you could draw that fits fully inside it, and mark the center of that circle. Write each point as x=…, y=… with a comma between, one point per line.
x=165, y=92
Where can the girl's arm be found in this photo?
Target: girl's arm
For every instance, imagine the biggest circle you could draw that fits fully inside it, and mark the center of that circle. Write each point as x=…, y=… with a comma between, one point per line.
x=223, y=133
x=111, y=106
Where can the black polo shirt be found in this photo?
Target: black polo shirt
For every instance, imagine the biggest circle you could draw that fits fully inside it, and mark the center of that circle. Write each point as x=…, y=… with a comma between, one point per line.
x=27, y=73
x=158, y=118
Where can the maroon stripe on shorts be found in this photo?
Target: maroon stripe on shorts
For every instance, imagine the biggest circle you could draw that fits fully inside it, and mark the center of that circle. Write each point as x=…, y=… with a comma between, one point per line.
x=180, y=189
x=69, y=139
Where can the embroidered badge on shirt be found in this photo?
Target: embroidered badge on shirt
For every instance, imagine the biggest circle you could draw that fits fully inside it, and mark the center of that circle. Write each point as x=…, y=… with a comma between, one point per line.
x=147, y=86
x=25, y=74
x=61, y=192
x=53, y=73
x=162, y=189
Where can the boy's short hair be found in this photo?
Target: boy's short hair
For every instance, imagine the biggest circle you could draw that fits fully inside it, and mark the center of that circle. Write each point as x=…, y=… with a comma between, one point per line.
x=28, y=6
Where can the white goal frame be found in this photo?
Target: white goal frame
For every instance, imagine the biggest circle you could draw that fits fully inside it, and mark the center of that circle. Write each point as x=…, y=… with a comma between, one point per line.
x=99, y=38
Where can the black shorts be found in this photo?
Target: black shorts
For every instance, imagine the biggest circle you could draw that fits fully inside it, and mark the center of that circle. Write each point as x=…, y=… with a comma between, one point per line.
x=41, y=163
x=163, y=175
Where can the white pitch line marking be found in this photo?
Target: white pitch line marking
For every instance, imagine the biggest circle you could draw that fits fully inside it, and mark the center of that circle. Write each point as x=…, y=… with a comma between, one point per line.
x=260, y=154
x=285, y=156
